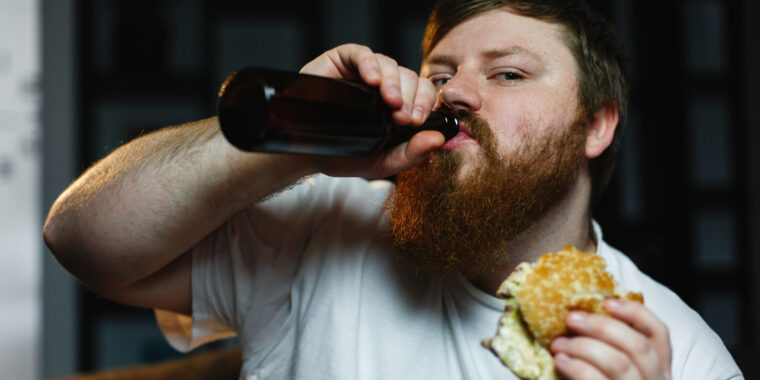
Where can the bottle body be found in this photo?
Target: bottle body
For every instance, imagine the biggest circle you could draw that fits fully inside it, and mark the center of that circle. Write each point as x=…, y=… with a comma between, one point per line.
x=263, y=110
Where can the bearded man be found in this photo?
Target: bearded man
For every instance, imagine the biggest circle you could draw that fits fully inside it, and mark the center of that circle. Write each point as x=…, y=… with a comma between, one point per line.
x=341, y=278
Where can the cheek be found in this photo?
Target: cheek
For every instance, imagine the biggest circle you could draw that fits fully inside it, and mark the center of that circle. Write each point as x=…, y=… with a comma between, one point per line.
x=531, y=121
x=532, y=115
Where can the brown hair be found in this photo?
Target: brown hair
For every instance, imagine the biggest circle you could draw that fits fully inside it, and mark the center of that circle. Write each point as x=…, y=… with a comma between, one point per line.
x=601, y=74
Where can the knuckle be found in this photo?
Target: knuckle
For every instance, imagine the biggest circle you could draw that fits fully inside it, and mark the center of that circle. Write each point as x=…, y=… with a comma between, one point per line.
x=367, y=59
x=641, y=348
x=620, y=365
x=662, y=331
x=387, y=59
x=407, y=74
x=577, y=344
x=586, y=372
x=356, y=46
x=600, y=326
x=347, y=47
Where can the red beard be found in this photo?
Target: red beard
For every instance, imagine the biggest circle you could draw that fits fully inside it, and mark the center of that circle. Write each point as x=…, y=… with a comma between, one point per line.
x=445, y=227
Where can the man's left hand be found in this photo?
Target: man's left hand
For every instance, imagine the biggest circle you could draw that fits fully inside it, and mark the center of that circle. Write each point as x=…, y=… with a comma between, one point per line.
x=632, y=344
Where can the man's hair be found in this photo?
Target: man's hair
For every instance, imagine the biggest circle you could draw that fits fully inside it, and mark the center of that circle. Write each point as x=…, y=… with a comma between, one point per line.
x=593, y=43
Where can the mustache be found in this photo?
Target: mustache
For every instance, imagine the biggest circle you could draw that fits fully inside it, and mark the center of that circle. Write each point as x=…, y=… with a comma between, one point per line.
x=479, y=129
x=477, y=126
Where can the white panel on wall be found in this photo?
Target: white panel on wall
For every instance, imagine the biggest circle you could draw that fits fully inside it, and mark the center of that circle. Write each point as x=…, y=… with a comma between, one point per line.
x=19, y=56
x=710, y=142
x=19, y=245
x=20, y=242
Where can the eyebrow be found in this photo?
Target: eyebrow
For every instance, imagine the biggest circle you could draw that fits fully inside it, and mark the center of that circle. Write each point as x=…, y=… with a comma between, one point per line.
x=439, y=59
x=445, y=59
x=514, y=50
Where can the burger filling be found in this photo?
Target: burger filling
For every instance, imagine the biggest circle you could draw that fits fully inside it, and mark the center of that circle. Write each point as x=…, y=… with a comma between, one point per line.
x=513, y=343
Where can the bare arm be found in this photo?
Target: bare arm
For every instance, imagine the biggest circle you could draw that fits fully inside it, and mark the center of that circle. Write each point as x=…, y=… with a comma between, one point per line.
x=124, y=226
x=140, y=208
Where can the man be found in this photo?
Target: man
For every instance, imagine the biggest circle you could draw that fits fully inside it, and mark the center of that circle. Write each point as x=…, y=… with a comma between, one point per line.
x=343, y=278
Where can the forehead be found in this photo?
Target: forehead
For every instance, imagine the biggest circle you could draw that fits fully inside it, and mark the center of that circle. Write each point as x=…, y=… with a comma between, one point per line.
x=503, y=29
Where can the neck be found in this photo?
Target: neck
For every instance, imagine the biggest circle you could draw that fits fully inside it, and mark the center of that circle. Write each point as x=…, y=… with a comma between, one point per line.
x=568, y=223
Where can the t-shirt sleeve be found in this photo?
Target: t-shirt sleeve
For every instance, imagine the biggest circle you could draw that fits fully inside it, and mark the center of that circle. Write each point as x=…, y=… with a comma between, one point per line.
x=250, y=260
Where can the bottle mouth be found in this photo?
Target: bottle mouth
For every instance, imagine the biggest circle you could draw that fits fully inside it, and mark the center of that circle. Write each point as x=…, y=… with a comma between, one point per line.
x=444, y=121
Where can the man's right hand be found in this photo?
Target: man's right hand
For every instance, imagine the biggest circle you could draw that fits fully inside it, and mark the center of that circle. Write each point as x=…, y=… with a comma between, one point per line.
x=410, y=98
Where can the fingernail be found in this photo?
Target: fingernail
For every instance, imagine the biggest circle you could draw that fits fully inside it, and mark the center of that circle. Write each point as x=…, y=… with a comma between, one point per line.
x=417, y=114
x=577, y=317
x=613, y=303
x=373, y=74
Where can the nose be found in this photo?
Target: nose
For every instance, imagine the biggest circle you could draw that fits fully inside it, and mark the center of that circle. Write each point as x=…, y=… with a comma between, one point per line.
x=459, y=92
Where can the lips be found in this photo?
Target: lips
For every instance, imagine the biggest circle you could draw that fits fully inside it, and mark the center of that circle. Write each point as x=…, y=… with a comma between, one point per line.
x=462, y=137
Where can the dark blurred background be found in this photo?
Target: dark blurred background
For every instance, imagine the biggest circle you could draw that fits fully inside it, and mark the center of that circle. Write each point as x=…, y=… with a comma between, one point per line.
x=682, y=204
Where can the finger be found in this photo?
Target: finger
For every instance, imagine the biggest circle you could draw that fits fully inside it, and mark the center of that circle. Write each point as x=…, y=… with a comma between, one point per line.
x=411, y=153
x=359, y=58
x=576, y=369
x=423, y=143
x=645, y=321
x=620, y=335
x=408, y=80
x=349, y=61
x=424, y=100
x=390, y=84
x=611, y=362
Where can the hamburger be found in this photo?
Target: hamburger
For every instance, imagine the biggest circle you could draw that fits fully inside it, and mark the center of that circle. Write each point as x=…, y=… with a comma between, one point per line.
x=537, y=298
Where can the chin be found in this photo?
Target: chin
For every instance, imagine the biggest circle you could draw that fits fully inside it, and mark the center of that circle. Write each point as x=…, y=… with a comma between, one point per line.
x=466, y=171
x=470, y=162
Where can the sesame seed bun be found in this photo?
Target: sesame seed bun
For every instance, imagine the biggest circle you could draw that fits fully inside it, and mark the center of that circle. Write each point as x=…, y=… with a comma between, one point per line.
x=561, y=282
x=538, y=297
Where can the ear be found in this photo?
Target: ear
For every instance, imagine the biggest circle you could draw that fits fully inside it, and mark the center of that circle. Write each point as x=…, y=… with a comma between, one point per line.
x=601, y=130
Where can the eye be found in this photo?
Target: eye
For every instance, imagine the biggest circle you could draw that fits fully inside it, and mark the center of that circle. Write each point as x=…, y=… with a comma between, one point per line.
x=440, y=79
x=509, y=76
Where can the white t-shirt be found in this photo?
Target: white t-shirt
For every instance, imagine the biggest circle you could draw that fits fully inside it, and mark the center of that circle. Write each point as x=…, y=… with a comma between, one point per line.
x=308, y=283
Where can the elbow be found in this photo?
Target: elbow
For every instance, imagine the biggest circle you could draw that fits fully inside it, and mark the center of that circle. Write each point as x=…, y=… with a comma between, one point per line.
x=61, y=244
x=72, y=253
x=52, y=236
x=61, y=235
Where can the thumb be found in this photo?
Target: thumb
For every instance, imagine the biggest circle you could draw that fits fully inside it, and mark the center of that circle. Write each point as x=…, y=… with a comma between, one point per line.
x=413, y=152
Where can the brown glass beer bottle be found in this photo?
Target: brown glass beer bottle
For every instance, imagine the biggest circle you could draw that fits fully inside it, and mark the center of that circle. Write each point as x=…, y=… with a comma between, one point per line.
x=264, y=110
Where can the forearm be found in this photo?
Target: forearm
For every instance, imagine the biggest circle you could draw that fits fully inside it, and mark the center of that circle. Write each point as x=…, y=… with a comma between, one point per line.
x=151, y=200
